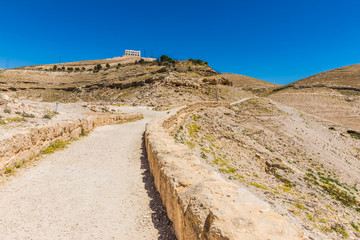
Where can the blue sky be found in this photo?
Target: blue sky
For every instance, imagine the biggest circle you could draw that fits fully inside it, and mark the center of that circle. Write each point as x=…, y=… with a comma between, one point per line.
x=279, y=41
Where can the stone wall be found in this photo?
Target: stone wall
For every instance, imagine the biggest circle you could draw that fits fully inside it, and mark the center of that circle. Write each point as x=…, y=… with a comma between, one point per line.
x=200, y=203
x=28, y=143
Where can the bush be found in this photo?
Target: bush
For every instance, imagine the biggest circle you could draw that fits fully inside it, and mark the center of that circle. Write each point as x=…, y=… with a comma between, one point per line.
x=107, y=65
x=197, y=61
x=70, y=69
x=54, y=68
x=58, y=144
x=165, y=60
x=83, y=69
x=97, y=68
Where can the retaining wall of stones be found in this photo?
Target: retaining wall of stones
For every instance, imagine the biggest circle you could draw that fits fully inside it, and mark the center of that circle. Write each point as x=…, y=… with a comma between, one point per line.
x=28, y=143
x=199, y=202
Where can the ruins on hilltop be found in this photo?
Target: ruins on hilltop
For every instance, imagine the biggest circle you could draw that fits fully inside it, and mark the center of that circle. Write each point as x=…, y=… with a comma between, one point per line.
x=132, y=53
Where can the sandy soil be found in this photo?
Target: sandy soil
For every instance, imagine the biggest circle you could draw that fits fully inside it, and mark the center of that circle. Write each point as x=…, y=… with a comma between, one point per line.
x=98, y=188
x=305, y=167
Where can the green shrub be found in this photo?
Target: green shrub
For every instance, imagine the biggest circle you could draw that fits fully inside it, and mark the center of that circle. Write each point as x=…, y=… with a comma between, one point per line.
x=97, y=68
x=15, y=119
x=299, y=206
x=58, y=144
x=198, y=61
x=341, y=231
x=18, y=164
x=165, y=60
x=354, y=134
x=9, y=170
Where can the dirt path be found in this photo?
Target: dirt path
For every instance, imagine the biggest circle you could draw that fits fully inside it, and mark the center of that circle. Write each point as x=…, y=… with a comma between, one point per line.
x=98, y=188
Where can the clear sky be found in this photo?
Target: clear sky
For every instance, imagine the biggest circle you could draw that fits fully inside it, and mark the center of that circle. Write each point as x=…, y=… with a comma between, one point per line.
x=279, y=41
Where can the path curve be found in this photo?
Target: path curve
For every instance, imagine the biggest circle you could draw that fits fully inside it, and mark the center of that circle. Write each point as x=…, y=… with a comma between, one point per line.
x=99, y=187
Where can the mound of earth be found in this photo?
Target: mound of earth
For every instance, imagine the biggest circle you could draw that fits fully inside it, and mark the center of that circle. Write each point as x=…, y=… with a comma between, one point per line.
x=249, y=83
x=306, y=168
x=123, y=80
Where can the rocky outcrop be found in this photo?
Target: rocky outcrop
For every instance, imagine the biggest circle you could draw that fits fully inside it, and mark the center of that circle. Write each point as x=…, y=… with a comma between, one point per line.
x=200, y=203
x=30, y=142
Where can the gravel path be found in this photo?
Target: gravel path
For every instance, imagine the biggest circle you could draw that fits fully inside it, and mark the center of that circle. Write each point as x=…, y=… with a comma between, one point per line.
x=98, y=188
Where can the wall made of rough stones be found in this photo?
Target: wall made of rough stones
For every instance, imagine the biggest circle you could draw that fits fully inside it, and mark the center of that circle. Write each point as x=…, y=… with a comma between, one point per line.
x=28, y=143
x=199, y=202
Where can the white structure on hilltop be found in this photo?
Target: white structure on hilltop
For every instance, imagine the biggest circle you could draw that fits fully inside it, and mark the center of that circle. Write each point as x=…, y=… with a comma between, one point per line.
x=132, y=53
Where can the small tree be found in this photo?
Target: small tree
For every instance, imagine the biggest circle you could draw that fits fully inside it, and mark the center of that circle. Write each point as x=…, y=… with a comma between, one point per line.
x=54, y=68
x=77, y=69
x=107, y=65
x=118, y=66
x=165, y=60
x=97, y=68
x=198, y=61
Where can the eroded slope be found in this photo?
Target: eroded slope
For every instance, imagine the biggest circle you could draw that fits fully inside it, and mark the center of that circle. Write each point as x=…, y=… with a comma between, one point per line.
x=308, y=169
x=121, y=80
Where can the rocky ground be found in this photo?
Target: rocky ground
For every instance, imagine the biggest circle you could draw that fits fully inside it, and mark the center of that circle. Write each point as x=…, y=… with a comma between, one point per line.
x=121, y=81
x=335, y=105
x=18, y=114
x=307, y=168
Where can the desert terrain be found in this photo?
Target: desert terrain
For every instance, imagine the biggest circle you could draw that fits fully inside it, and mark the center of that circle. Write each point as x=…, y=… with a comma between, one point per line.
x=125, y=80
x=294, y=148
x=296, y=162
x=333, y=95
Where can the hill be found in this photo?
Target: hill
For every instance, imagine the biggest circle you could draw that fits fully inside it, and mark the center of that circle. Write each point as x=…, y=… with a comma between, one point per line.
x=306, y=168
x=249, y=83
x=124, y=80
x=343, y=78
x=333, y=95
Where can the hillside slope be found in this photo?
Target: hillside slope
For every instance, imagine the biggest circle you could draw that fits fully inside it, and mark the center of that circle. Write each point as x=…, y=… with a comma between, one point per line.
x=342, y=78
x=249, y=83
x=127, y=80
x=306, y=168
x=333, y=95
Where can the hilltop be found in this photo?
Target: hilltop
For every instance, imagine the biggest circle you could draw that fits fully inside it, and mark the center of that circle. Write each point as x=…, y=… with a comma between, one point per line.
x=126, y=80
x=333, y=95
